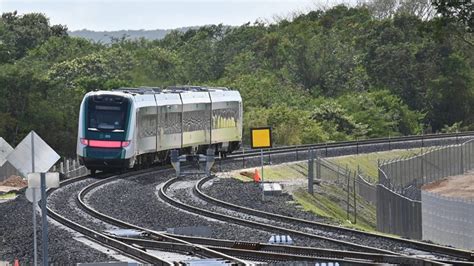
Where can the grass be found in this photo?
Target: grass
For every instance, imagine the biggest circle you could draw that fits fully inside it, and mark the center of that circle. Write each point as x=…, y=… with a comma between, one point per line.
x=330, y=200
x=282, y=172
x=368, y=162
x=9, y=195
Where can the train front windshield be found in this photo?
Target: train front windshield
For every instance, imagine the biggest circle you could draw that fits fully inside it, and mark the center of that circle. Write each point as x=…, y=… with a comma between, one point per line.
x=107, y=113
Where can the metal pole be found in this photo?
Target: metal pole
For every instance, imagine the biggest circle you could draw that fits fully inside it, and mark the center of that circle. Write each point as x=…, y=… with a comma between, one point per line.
x=355, y=205
x=220, y=161
x=348, y=194
x=310, y=171
x=269, y=157
x=318, y=169
x=357, y=147
x=44, y=214
x=243, y=157
x=422, y=140
x=261, y=156
x=35, y=245
x=389, y=144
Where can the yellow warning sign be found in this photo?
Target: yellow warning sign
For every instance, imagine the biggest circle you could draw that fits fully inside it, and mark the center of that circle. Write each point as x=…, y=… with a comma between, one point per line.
x=261, y=137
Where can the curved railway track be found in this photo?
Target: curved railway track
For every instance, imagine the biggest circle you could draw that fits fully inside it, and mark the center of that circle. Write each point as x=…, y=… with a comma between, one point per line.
x=254, y=251
x=456, y=137
x=131, y=250
x=402, y=259
x=436, y=249
x=207, y=248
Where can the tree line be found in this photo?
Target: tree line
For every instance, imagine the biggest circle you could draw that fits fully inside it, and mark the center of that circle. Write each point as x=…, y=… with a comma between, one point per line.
x=340, y=74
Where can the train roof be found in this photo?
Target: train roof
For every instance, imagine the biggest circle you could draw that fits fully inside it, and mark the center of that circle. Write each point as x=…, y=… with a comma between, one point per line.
x=170, y=89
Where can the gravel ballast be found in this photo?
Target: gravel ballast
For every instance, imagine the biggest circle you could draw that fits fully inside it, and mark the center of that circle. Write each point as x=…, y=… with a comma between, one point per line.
x=135, y=200
x=16, y=238
x=117, y=200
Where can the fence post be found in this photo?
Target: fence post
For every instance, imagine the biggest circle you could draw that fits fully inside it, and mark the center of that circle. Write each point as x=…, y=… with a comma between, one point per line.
x=389, y=145
x=269, y=158
x=357, y=145
x=348, y=193
x=450, y=156
x=243, y=157
x=422, y=166
x=355, y=204
x=67, y=166
x=378, y=170
x=461, y=159
x=310, y=171
x=422, y=140
x=318, y=169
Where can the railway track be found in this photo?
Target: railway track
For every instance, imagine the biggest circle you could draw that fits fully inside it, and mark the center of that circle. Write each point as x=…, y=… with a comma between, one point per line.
x=466, y=256
x=254, y=251
x=390, y=142
x=139, y=254
x=125, y=248
x=402, y=259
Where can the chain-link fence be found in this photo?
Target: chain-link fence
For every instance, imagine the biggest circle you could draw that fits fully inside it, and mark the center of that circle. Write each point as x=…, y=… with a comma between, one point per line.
x=403, y=208
x=448, y=221
x=406, y=175
x=352, y=183
x=397, y=214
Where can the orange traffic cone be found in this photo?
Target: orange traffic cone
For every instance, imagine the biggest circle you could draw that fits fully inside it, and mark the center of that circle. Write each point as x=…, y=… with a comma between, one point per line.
x=256, y=176
x=16, y=262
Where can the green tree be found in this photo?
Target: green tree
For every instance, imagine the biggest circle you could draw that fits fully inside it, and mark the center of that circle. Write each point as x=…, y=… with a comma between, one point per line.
x=20, y=33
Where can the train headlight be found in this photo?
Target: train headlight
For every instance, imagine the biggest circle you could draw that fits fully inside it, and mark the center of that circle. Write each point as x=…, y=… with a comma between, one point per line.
x=125, y=143
x=105, y=143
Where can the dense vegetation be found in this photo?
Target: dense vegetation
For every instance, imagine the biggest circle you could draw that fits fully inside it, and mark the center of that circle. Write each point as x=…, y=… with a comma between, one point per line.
x=339, y=74
x=107, y=37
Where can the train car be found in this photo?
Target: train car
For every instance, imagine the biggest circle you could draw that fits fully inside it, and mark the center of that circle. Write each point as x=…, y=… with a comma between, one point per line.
x=139, y=126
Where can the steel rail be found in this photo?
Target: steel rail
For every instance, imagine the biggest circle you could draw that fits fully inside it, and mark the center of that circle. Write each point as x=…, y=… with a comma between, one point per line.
x=299, y=250
x=264, y=255
x=106, y=240
x=328, y=145
x=129, y=250
x=271, y=228
x=458, y=253
x=196, y=247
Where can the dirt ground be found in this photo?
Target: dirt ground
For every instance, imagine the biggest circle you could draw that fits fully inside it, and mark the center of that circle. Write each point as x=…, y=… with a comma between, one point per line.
x=12, y=183
x=461, y=186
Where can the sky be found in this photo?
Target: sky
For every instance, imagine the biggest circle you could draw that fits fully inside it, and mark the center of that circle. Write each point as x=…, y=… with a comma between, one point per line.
x=112, y=15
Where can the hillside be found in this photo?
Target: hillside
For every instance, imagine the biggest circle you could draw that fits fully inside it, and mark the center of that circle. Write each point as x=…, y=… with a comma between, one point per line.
x=107, y=36
x=339, y=74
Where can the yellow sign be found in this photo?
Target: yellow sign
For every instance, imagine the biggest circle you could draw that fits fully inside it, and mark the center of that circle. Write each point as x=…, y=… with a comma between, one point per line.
x=261, y=137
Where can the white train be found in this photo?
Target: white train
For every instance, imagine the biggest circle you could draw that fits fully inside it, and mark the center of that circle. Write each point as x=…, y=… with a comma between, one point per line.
x=138, y=126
